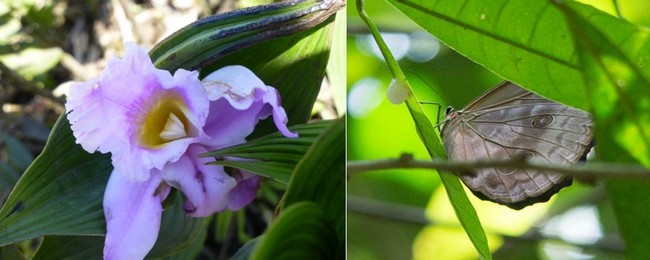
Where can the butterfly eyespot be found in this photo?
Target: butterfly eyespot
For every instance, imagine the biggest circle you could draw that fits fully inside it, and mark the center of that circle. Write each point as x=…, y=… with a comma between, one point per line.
x=507, y=171
x=542, y=121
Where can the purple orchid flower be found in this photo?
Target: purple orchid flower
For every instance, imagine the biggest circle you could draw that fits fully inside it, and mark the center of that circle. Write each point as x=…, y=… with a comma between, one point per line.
x=155, y=125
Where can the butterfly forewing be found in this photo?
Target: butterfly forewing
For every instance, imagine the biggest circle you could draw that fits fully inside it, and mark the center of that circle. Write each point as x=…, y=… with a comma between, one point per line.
x=506, y=122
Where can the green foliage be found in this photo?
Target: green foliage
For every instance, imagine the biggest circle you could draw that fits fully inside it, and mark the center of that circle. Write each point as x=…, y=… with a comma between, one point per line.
x=18, y=158
x=320, y=177
x=568, y=52
x=61, y=192
x=612, y=54
x=311, y=222
x=425, y=130
x=28, y=36
x=273, y=155
x=301, y=232
x=518, y=51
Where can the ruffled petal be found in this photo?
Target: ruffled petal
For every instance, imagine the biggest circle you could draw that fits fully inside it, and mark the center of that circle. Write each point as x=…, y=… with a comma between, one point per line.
x=234, y=83
x=239, y=100
x=206, y=187
x=227, y=126
x=133, y=213
x=114, y=112
x=245, y=191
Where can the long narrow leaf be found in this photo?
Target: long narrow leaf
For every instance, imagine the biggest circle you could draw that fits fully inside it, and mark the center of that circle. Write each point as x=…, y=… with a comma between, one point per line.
x=463, y=208
x=210, y=38
x=320, y=176
x=60, y=193
x=273, y=155
x=301, y=232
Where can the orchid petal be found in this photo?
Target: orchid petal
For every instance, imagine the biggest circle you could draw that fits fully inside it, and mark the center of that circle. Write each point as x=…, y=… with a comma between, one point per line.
x=133, y=212
x=206, y=187
x=239, y=100
x=245, y=191
x=126, y=96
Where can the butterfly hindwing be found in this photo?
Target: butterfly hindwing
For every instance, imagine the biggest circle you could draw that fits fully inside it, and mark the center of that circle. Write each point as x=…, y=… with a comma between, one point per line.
x=509, y=121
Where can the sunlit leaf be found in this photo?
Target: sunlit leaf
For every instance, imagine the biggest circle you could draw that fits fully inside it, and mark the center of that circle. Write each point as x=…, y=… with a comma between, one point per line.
x=337, y=66
x=537, y=54
x=613, y=53
x=32, y=62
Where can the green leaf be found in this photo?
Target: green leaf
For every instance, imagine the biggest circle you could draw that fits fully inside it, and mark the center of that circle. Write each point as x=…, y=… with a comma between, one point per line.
x=337, y=66
x=60, y=193
x=178, y=231
x=213, y=37
x=8, y=176
x=8, y=28
x=247, y=249
x=17, y=154
x=65, y=247
x=275, y=155
x=613, y=53
x=464, y=210
x=179, y=235
x=190, y=251
x=11, y=252
x=32, y=62
x=537, y=54
x=320, y=177
x=462, y=206
x=295, y=65
x=300, y=232
x=62, y=190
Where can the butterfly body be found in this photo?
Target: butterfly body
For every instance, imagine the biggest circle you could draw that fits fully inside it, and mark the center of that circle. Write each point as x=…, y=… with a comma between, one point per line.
x=509, y=122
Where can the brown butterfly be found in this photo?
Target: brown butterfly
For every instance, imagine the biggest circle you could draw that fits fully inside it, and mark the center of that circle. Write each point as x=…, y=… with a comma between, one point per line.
x=508, y=121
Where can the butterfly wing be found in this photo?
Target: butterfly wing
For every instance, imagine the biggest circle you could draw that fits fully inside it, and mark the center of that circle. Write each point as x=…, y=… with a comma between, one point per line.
x=508, y=122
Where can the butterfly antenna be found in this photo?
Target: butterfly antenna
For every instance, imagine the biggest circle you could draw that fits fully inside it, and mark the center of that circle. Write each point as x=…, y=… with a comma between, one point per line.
x=617, y=9
x=422, y=79
x=438, y=123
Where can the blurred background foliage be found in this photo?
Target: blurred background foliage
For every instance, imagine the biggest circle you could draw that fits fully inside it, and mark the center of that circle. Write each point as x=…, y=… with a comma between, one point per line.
x=401, y=214
x=45, y=45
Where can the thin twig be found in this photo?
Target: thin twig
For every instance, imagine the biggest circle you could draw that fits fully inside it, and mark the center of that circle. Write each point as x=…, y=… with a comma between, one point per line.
x=387, y=210
x=591, y=169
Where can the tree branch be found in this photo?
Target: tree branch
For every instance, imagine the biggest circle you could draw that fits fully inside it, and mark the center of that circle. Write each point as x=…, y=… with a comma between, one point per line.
x=589, y=170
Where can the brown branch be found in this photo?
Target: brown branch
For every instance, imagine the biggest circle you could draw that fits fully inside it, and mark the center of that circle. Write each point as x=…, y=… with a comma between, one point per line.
x=589, y=170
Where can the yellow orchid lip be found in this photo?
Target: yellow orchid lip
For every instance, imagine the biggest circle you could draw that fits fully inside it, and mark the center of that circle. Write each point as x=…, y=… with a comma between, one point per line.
x=165, y=122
